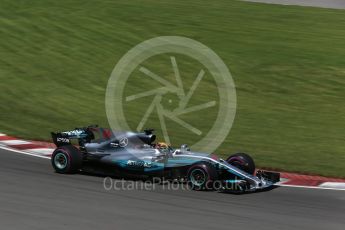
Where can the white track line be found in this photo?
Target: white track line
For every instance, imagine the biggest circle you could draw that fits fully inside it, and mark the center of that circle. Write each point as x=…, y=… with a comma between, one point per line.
x=14, y=142
x=22, y=152
x=330, y=4
x=336, y=185
x=311, y=187
x=41, y=151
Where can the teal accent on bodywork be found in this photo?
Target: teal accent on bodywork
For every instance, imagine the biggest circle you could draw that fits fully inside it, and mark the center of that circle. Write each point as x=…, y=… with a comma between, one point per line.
x=139, y=165
x=231, y=171
x=185, y=161
x=233, y=181
x=181, y=161
x=176, y=161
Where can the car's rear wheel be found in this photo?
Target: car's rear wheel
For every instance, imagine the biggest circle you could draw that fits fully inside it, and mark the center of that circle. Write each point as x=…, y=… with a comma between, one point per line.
x=67, y=159
x=242, y=161
x=202, y=176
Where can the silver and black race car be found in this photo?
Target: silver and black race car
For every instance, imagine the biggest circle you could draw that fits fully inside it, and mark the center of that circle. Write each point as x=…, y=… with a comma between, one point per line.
x=130, y=154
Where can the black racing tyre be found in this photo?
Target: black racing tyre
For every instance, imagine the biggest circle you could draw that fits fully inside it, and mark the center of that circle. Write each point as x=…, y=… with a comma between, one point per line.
x=202, y=176
x=242, y=161
x=67, y=159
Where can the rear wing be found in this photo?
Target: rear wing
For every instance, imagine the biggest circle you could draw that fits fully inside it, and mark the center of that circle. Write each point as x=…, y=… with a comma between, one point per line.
x=81, y=134
x=87, y=134
x=60, y=139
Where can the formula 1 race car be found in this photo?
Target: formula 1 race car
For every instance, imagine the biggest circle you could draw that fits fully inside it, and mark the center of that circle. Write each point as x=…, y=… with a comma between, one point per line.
x=131, y=154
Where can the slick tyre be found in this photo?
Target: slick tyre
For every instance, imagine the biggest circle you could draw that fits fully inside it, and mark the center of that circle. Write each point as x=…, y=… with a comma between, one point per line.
x=242, y=161
x=67, y=159
x=202, y=176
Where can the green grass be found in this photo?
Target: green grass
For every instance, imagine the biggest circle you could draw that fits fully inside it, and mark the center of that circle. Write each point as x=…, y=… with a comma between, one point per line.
x=288, y=64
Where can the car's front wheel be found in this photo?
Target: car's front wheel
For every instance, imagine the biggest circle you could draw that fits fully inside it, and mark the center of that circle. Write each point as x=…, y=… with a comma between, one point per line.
x=202, y=176
x=242, y=161
x=67, y=159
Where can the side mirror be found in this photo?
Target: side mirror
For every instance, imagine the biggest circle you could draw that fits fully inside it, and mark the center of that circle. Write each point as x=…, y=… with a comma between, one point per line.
x=185, y=148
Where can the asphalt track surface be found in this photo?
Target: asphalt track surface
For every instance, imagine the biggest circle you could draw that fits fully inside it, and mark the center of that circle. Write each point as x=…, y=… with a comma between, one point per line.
x=332, y=4
x=32, y=196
